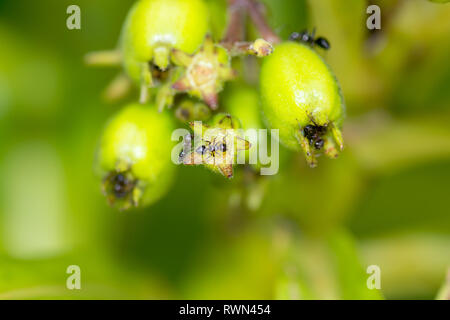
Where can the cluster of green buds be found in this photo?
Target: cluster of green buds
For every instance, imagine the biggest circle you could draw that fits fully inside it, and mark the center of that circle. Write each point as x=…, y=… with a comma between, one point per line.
x=167, y=50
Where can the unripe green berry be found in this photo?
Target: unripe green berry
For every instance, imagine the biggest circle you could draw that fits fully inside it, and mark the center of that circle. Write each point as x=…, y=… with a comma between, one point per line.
x=299, y=91
x=135, y=156
x=192, y=110
x=154, y=27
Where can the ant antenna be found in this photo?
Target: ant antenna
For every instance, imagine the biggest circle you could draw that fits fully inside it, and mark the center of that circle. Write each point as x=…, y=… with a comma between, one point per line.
x=312, y=119
x=313, y=34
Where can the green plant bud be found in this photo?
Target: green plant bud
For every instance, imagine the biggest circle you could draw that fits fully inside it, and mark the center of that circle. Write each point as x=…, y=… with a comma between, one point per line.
x=206, y=71
x=190, y=110
x=216, y=144
x=154, y=27
x=302, y=98
x=135, y=154
x=261, y=48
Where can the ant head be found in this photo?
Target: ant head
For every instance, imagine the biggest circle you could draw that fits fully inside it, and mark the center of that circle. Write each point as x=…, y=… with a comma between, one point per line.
x=309, y=131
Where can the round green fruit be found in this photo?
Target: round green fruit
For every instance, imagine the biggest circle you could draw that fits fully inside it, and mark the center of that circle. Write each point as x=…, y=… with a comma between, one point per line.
x=135, y=156
x=302, y=98
x=192, y=110
x=154, y=27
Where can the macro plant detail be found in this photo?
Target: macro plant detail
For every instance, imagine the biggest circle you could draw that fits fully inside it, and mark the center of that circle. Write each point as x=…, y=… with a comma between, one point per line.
x=163, y=149
x=176, y=62
x=132, y=156
x=206, y=71
x=216, y=145
x=189, y=110
x=302, y=98
x=153, y=28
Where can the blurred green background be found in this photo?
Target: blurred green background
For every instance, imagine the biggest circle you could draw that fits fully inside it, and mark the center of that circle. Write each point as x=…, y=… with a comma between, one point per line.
x=301, y=234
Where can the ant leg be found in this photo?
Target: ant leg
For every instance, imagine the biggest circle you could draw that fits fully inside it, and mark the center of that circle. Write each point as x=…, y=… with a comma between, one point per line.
x=226, y=122
x=311, y=118
x=312, y=37
x=304, y=143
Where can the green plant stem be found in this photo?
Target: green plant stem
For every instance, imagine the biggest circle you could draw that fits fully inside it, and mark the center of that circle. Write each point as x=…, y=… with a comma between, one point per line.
x=238, y=10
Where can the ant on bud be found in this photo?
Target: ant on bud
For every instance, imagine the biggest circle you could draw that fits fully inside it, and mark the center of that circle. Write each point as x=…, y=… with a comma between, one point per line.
x=314, y=134
x=310, y=39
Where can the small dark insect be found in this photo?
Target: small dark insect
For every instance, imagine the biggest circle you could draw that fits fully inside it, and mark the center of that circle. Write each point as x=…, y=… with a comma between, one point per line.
x=309, y=131
x=121, y=186
x=310, y=39
x=201, y=149
x=223, y=147
x=314, y=133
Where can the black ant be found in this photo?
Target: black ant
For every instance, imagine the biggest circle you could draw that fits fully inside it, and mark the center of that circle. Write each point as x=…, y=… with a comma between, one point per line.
x=119, y=185
x=314, y=134
x=310, y=39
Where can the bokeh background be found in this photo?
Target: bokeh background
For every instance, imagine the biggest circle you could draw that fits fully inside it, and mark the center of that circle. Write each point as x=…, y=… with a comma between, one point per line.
x=302, y=234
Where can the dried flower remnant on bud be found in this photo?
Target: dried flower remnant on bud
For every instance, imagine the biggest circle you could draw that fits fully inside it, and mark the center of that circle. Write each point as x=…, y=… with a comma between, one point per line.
x=217, y=146
x=206, y=71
